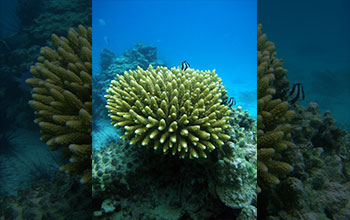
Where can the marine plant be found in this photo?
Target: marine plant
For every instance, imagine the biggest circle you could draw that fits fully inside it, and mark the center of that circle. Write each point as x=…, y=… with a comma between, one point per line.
x=273, y=116
x=176, y=111
x=61, y=98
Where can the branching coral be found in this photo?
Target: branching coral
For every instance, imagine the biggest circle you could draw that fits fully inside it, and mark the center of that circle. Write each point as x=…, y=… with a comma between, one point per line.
x=176, y=111
x=61, y=97
x=273, y=116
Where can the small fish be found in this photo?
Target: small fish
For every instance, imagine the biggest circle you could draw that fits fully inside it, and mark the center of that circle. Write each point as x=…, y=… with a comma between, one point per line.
x=185, y=65
x=106, y=39
x=102, y=22
x=229, y=102
x=298, y=88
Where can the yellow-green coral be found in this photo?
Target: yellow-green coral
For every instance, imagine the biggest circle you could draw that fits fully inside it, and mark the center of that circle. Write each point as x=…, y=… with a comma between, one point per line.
x=177, y=111
x=273, y=116
x=61, y=97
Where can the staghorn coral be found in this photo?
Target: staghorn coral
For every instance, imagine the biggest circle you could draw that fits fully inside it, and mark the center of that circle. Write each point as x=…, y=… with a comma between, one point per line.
x=273, y=116
x=61, y=98
x=172, y=110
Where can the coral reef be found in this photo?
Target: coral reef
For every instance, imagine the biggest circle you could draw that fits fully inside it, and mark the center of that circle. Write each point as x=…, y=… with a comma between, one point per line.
x=235, y=173
x=234, y=179
x=273, y=116
x=318, y=187
x=39, y=19
x=177, y=111
x=318, y=151
x=28, y=10
x=104, y=133
x=142, y=55
x=60, y=198
x=62, y=98
x=106, y=59
x=19, y=50
x=56, y=17
x=131, y=182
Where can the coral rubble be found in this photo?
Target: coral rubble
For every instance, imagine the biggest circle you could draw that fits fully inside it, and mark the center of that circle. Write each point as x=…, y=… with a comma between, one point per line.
x=61, y=97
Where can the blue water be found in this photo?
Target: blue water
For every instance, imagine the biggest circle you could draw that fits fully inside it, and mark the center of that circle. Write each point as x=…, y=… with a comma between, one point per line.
x=210, y=35
x=9, y=22
x=314, y=41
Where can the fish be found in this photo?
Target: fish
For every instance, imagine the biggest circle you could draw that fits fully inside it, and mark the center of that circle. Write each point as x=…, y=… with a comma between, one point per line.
x=298, y=91
x=185, y=65
x=102, y=22
x=229, y=102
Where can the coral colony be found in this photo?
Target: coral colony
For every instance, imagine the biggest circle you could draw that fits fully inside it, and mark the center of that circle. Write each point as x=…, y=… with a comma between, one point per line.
x=62, y=98
x=177, y=111
x=273, y=116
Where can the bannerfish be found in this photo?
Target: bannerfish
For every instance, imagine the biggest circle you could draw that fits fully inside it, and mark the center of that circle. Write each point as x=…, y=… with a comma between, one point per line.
x=185, y=65
x=298, y=91
x=229, y=102
x=102, y=22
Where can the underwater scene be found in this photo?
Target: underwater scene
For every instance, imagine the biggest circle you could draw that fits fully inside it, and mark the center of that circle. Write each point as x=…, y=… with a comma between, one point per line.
x=35, y=145
x=303, y=118
x=174, y=110
x=315, y=48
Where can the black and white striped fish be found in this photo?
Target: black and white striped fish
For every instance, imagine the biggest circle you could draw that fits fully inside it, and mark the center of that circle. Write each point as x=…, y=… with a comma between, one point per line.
x=185, y=65
x=298, y=92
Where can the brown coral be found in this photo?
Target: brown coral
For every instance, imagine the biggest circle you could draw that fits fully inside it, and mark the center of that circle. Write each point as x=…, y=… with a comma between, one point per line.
x=61, y=98
x=273, y=116
x=177, y=111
